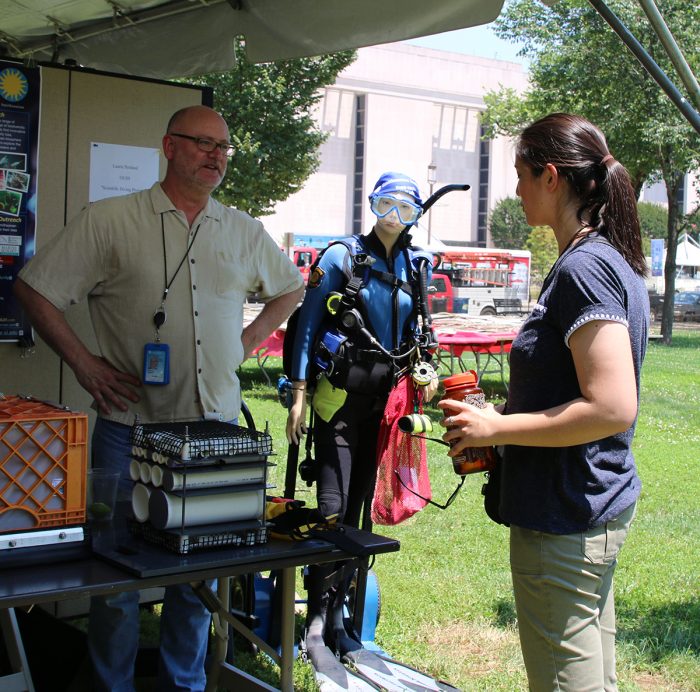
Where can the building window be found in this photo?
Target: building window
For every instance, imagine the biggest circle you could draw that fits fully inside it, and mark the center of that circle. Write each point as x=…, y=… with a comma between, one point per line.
x=359, y=163
x=681, y=196
x=483, y=209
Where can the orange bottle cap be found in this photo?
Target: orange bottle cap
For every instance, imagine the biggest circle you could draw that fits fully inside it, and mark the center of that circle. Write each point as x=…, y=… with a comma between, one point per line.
x=460, y=380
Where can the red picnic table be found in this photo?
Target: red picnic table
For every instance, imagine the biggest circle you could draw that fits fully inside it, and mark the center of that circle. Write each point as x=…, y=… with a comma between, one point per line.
x=490, y=350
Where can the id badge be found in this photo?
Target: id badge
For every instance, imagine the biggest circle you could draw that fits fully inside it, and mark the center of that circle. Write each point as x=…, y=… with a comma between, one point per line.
x=156, y=363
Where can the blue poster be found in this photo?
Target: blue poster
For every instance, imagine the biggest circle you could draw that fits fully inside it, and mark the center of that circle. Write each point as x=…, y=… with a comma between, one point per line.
x=19, y=137
x=657, y=257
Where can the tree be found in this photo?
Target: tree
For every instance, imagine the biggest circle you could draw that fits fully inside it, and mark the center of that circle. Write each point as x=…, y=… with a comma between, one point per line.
x=653, y=222
x=269, y=109
x=507, y=224
x=580, y=65
x=544, y=249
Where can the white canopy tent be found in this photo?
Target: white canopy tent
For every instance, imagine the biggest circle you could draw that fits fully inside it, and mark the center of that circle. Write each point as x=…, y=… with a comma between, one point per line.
x=688, y=252
x=176, y=38
x=687, y=267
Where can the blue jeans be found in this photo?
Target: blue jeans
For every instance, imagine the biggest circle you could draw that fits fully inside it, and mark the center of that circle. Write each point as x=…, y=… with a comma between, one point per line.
x=113, y=631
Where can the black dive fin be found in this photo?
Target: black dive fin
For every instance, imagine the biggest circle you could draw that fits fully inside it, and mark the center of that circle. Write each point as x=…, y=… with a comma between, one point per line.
x=332, y=676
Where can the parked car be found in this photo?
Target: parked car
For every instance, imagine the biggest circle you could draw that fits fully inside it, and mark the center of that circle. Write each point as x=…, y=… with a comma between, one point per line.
x=686, y=306
x=656, y=305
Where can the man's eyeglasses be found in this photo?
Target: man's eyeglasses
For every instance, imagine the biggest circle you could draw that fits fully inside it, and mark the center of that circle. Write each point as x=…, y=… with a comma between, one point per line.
x=207, y=145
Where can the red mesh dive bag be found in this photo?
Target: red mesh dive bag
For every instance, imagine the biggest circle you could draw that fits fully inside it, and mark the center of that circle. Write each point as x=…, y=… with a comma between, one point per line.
x=400, y=456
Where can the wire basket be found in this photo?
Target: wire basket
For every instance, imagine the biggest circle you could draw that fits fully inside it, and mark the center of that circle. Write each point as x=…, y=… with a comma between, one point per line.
x=177, y=541
x=194, y=440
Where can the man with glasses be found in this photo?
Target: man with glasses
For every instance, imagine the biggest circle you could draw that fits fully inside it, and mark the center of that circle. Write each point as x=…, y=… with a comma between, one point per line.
x=166, y=272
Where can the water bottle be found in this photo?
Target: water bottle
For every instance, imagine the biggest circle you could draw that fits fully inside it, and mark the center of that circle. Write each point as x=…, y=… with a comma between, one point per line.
x=465, y=387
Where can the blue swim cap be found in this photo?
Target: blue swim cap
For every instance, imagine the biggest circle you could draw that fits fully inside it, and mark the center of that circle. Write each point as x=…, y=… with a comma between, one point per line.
x=392, y=182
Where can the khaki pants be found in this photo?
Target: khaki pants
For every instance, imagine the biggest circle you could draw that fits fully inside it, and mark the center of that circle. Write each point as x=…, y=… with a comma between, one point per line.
x=563, y=587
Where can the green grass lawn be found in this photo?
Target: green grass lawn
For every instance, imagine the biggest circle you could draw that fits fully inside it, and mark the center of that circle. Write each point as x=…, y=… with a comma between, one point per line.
x=446, y=603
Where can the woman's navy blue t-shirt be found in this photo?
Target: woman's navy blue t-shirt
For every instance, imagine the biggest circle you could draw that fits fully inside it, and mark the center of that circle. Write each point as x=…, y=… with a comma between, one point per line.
x=569, y=489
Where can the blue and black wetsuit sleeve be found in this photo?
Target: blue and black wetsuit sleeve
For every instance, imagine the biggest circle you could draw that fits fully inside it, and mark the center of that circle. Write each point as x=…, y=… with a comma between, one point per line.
x=328, y=276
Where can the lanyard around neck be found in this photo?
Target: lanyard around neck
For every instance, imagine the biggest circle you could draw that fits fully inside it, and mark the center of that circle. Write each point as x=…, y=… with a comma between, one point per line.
x=159, y=316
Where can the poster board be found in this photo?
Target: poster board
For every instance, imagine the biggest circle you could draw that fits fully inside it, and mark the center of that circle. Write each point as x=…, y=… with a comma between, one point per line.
x=20, y=90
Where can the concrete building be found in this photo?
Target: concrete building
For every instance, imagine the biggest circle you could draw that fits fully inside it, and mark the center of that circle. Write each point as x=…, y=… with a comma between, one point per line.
x=688, y=196
x=405, y=108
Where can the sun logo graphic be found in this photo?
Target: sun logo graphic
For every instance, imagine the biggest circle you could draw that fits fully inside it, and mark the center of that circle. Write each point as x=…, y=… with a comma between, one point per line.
x=13, y=85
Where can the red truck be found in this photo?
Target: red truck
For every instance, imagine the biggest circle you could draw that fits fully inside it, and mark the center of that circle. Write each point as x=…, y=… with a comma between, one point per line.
x=440, y=296
x=304, y=257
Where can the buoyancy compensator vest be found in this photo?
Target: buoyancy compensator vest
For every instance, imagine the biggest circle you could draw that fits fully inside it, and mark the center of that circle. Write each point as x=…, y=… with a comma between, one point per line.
x=345, y=349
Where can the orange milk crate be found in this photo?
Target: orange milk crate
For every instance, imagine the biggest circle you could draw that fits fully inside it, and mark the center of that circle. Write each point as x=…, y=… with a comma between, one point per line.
x=43, y=464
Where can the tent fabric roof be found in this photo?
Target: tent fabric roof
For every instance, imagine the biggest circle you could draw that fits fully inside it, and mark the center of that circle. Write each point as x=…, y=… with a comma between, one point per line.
x=173, y=38
x=688, y=252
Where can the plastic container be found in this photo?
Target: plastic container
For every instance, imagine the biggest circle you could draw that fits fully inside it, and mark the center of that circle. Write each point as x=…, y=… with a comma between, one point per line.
x=102, y=494
x=43, y=465
x=465, y=387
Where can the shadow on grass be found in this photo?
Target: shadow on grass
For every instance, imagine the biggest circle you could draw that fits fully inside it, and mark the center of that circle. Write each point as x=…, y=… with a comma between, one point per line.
x=656, y=633
x=689, y=338
x=253, y=378
x=659, y=632
x=505, y=613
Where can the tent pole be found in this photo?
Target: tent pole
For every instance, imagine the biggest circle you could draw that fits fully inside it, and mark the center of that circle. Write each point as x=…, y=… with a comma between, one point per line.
x=674, y=52
x=648, y=63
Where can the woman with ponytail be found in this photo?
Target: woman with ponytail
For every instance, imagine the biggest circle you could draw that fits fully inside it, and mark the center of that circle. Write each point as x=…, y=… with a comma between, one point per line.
x=569, y=481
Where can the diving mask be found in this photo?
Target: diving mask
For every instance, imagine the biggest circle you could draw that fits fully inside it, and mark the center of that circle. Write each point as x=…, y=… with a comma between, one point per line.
x=407, y=211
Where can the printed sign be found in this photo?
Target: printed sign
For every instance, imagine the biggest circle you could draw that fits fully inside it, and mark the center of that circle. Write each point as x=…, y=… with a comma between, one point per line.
x=19, y=137
x=118, y=169
x=657, y=257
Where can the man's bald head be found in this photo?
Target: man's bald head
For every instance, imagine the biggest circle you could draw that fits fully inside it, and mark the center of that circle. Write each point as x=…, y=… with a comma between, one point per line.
x=196, y=148
x=190, y=116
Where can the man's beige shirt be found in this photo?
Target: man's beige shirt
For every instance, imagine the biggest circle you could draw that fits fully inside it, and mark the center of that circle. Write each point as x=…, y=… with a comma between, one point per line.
x=117, y=253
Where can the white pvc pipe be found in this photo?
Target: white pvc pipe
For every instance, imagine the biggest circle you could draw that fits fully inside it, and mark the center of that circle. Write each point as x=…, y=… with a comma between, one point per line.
x=145, y=472
x=165, y=511
x=156, y=476
x=172, y=480
x=135, y=470
x=139, y=501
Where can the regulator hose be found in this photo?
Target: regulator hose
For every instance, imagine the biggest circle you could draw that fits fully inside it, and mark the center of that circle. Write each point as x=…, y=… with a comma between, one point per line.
x=423, y=310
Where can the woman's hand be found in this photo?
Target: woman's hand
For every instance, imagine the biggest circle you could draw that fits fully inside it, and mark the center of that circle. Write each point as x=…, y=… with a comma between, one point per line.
x=469, y=426
x=296, y=418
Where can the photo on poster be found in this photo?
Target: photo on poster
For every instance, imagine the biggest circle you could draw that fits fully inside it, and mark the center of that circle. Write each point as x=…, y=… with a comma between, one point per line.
x=13, y=161
x=16, y=180
x=2, y=179
x=10, y=202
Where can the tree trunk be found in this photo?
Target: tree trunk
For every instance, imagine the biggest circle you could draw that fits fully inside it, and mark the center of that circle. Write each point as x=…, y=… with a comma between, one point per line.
x=673, y=182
